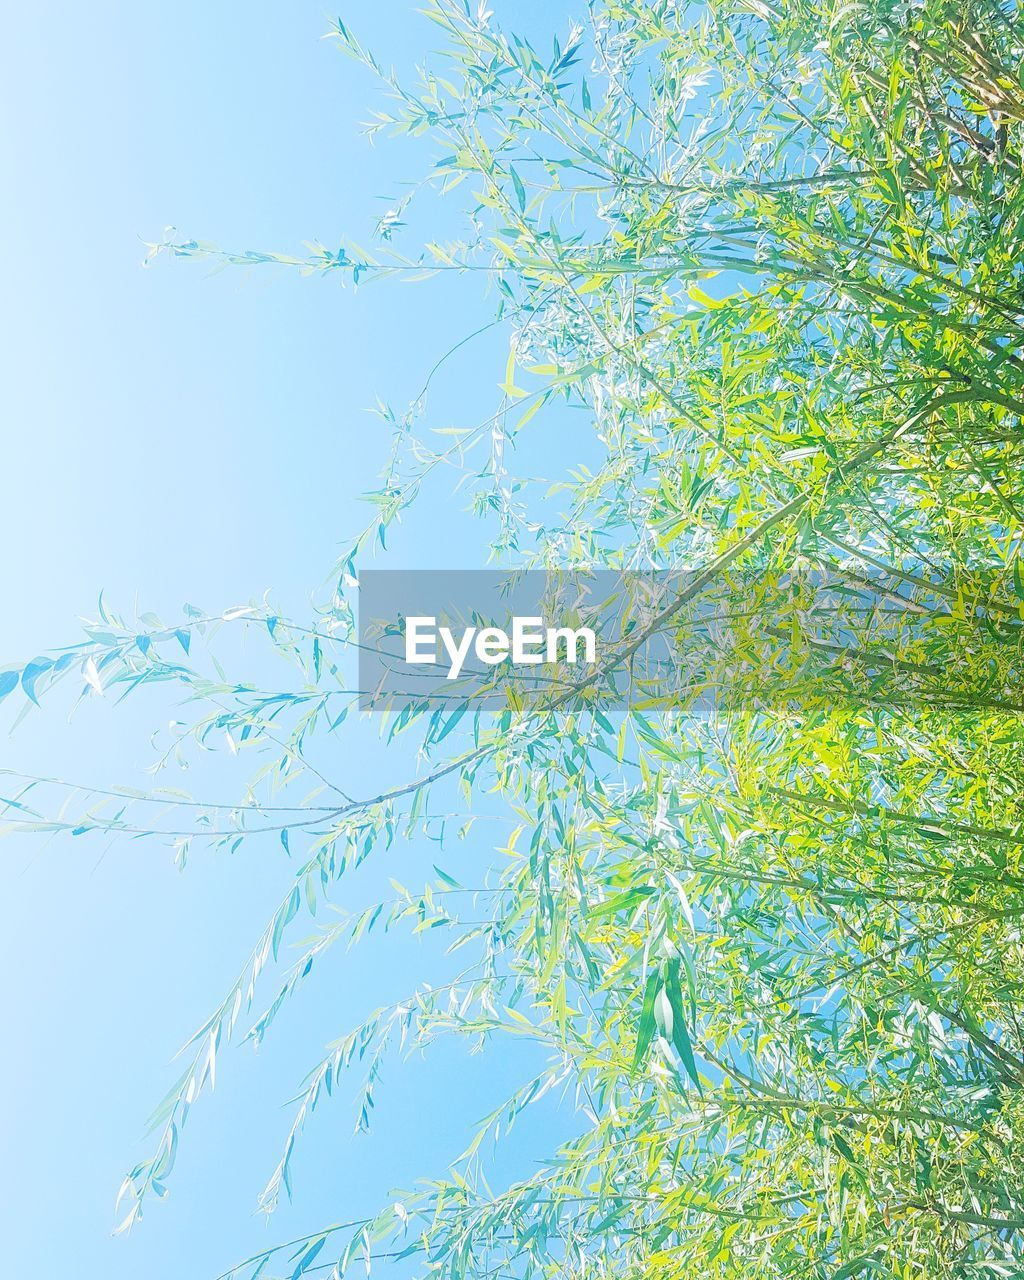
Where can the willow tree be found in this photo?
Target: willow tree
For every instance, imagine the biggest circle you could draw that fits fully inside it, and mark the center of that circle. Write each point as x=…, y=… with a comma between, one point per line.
x=773, y=949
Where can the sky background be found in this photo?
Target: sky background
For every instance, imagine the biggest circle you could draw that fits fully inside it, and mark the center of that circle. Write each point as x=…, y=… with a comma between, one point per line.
x=173, y=435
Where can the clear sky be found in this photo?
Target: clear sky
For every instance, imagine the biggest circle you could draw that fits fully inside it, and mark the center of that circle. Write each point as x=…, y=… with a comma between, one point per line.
x=169, y=435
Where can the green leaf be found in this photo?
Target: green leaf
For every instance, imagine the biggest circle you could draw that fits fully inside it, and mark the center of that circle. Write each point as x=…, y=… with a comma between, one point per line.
x=645, y=1029
x=856, y=1266
x=520, y=189
x=680, y=1035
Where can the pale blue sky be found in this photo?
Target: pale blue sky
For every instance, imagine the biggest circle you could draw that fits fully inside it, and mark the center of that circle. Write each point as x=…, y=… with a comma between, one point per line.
x=170, y=436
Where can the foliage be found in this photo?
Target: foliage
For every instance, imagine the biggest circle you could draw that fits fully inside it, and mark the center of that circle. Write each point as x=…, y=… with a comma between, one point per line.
x=775, y=954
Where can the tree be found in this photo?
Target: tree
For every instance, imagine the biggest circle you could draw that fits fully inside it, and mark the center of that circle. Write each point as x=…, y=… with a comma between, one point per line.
x=774, y=251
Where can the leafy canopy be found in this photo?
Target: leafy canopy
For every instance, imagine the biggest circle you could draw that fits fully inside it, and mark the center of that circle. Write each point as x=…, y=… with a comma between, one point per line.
x=773, y=251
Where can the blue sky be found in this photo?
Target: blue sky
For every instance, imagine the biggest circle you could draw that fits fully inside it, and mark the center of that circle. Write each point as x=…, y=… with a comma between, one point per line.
x=171, y=436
